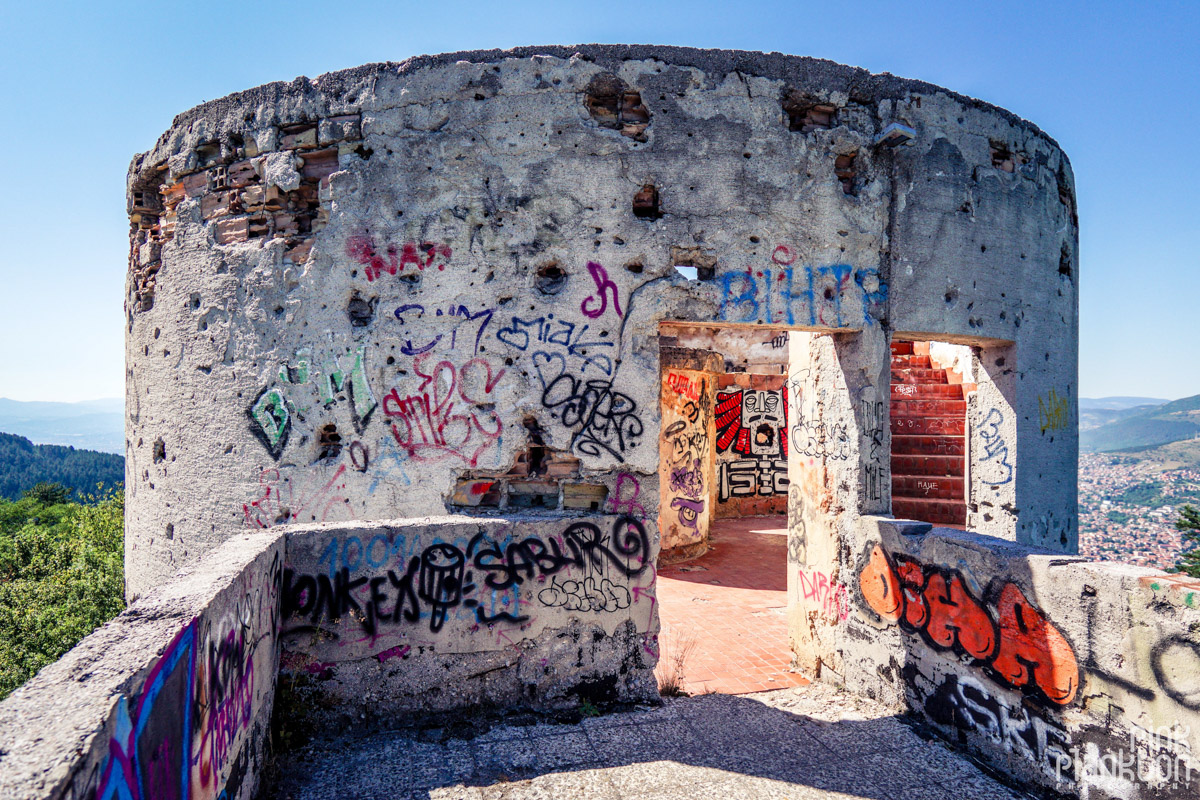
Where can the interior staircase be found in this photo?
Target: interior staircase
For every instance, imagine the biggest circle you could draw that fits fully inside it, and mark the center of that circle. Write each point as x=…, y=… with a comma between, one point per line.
x=928, y=444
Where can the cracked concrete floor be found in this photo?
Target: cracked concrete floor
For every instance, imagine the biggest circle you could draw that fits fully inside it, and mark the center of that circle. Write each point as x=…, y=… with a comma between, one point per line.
x=799, y=743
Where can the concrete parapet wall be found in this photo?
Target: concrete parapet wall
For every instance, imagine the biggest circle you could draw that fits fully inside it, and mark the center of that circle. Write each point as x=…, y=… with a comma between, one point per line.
x=443, y=613
x=172, y=699
x=1079, y=676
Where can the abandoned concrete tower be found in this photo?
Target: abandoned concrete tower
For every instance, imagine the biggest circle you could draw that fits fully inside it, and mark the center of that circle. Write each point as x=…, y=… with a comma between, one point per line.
x=431, y=363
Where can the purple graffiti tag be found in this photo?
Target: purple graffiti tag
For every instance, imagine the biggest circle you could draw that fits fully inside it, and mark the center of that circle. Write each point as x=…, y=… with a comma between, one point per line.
x=604, y=284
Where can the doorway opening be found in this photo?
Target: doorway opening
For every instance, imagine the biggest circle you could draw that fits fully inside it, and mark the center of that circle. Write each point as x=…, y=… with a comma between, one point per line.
x=929, y=431
x=723, y=495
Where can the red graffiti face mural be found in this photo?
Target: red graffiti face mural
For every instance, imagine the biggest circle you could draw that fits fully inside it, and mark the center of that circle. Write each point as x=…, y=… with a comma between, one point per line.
x=752, y=422
x=1016, y=644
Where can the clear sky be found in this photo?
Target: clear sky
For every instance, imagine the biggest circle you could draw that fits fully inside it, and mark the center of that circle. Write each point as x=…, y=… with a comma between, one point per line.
x=87, y=84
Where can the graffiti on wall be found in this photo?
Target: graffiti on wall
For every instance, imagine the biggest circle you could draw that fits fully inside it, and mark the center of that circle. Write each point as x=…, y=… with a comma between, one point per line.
x=557, y=337
x=587, y=569
x=451, y=416
x=394, y=260
x=1053, y=412
x=752, y=433
x=836, y=296
x=603, y=420
x=150, y=751
x=685, y=454
x=275, y=407
x=1015, y=643
x=284, y=499
x=460, y=320
x=995, y=469
x=825, y=593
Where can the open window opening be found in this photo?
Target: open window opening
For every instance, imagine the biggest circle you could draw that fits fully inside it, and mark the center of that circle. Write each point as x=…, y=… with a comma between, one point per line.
x=930, y=387
x=723, y=502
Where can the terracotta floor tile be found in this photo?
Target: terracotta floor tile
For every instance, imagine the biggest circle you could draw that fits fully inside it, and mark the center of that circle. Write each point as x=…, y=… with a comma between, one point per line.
x=731, y=603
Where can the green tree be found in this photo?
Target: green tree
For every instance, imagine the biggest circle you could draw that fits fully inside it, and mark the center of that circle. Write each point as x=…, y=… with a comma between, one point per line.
x=61, y=577
x=1189, y=523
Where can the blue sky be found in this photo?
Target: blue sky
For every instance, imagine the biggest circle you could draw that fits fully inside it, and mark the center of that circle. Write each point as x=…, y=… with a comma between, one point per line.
x=86, y=85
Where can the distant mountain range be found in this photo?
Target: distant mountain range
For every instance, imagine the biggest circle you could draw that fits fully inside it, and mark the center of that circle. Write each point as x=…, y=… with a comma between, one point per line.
x=1138, y=425
x=92, y=425
x=24, y=464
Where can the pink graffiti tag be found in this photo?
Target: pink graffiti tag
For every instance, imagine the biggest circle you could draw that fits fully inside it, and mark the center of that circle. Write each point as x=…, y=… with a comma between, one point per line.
x=456, y=420
x=604, y=285
x=620, y=504
x=279, y=503
x=832, y=596
x=426, y=254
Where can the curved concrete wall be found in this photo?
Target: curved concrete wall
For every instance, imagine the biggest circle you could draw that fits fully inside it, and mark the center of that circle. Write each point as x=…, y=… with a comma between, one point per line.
x=380, y=292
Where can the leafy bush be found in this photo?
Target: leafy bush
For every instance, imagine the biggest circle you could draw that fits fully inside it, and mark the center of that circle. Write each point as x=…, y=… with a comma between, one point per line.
x=61, y=575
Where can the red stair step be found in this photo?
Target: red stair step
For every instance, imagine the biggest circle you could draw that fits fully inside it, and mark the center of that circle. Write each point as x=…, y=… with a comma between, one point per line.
x=925, y=426
x=942, y=511
x=920, y=391
x=927, y=487
x=916, y=375
x=902, y=348
x=927, y=465
x=928, y=445
x=929, y=408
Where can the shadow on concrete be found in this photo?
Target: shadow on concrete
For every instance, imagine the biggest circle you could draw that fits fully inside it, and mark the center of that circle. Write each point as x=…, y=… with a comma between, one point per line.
x=795, y=743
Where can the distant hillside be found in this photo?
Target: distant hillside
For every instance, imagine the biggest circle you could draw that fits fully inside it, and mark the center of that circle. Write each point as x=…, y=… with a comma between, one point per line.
x=1119, y=403
x=1175, y=421
x=93, y=425
x=24, y=464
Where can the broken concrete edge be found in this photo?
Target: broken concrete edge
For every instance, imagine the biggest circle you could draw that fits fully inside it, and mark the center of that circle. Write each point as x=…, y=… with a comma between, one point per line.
x=386, y=622
x=802, y=71
x=150, y=672
x=1045, y=667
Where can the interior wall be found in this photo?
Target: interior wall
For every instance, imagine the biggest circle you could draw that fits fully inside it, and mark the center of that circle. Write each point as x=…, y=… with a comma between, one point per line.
x=686, y=462
x=751, y=445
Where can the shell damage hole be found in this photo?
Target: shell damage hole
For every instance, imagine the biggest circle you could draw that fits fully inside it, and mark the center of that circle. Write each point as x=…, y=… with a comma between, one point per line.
x=329, y=442
x=612, y=104
x=846, y=170
x=645, y=202
x=693, y=263
x=160, y=450
x=551, y=278
x=1004, y=158
x=1064, y=261
x=804, y=114
x=360, y=311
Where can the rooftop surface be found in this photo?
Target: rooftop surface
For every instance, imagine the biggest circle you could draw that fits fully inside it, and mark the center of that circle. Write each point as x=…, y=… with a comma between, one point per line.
x=799, y=743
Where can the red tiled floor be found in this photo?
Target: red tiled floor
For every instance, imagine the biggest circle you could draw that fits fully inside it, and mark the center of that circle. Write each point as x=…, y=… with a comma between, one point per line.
x=724, y=612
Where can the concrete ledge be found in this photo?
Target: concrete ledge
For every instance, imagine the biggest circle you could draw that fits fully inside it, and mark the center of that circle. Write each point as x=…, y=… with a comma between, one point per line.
x=178, y=688
x=438, y=613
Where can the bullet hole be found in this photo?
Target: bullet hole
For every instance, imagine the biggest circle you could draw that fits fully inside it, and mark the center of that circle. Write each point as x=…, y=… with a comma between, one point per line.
x=1064, y=261
x=805, y=114
x=228, y=449
x=645, y=202
x=1003, y=316
x=746, y=155
x=279, y=311
x=551, y=279
x=612, y=104
x=966, y=208
x=364, y=152
x=828, y=293
x=618, y=241
x=329, y=442
x=754, y=240
x=160, y=450
x=391, y=360
x=360, y=311
x=1000, y=361
x=170, y=530
x=194, y=300
x=157, y=332
x=635, y=267
x=951, y=296
x=983, y=248
x=508, y=362
x=845, y=170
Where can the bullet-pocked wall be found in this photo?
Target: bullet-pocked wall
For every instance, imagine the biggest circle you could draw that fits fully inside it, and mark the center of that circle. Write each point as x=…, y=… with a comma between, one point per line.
x=435, y=286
